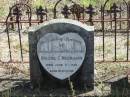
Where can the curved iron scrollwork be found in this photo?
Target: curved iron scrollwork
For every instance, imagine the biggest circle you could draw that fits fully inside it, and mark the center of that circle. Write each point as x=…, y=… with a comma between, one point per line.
x=55, y=11
x=14, y=15
x=75, y=9
x=114, y=15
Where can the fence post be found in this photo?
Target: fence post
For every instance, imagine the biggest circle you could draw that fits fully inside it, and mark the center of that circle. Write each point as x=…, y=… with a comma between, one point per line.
x=90, y=11
x=128, y=27
x=114, y=9
x=65, y=11
x=17, y=13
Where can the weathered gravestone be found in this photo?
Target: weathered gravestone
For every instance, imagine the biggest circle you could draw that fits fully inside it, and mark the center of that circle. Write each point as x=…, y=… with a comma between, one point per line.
x=62, y=49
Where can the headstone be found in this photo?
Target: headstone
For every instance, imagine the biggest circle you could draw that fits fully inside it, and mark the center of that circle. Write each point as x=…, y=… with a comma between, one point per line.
x=62, y=50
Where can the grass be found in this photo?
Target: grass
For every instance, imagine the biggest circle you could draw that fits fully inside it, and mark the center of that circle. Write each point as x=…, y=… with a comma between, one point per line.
x=6, y=93
x=73, y=94
x=47, y=3
x=4, y=6
x=2, y=12
x=87, y=2
x=37, y=3
x=104, y=70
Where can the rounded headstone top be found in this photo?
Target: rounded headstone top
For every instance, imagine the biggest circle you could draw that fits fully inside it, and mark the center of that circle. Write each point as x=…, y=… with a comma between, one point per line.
x=57, y=21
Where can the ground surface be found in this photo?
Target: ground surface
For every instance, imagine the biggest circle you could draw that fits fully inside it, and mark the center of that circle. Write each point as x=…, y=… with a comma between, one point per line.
x=18, y=71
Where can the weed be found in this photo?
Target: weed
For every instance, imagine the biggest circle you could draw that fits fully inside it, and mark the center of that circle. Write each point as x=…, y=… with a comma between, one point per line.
x=73, y=92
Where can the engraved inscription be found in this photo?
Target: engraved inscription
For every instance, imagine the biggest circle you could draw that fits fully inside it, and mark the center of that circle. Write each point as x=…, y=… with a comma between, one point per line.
x=61, y=55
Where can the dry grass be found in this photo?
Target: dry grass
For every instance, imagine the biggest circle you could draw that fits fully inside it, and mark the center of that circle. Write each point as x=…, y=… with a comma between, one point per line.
x=103, y=71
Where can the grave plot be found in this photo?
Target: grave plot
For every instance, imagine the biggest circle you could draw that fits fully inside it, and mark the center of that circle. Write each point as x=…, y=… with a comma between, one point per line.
x=111, y=50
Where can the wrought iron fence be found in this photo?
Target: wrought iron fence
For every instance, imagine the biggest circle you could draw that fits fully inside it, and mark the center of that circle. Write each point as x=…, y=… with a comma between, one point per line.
x=111, y=25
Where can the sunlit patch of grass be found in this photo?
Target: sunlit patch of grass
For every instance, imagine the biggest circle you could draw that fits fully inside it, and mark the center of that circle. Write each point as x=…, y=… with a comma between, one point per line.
x=99, y=48
x=107, y=71
x=26, y=47
x=2, y=11
x=127, y=43
x=6, y=93
x=37, y=3
x=87, y=2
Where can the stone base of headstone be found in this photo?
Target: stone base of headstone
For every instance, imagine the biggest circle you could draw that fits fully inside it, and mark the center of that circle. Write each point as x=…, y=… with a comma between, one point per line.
x=83, y=79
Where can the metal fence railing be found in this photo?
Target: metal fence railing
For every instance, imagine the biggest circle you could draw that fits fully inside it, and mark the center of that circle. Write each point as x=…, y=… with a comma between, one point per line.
x=112, y=27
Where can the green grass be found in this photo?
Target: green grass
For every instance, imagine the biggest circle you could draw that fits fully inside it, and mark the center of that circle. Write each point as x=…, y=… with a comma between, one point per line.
x=2, y=12
x=49, y=4
x=87, y=2
x=38, y=3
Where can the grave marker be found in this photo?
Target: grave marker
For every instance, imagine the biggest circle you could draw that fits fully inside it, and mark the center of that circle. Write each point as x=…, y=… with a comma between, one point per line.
x=62, y=49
